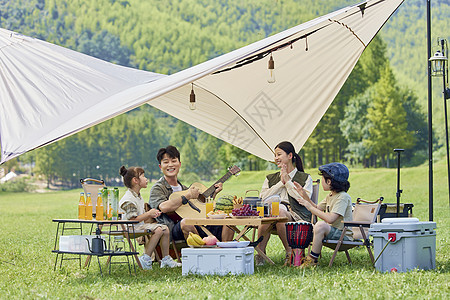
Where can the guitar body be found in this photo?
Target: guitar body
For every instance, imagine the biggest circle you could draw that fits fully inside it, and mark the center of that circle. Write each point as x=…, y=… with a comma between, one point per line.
x=185, y=211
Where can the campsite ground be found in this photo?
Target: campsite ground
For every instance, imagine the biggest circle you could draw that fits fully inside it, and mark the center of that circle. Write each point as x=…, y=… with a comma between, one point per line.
x=26, y=262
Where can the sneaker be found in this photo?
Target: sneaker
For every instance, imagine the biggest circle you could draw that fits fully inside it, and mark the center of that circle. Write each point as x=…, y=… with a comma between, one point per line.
x=169, y=262
x=259, y=260
x=146, y=262
x=309, y=262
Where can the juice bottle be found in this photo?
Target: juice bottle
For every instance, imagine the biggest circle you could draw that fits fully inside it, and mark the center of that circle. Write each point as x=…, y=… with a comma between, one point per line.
x=109, y=215
x=88, y=210
x=104, y=192
x=99, y=208
x=81, y=207
x=115, y=203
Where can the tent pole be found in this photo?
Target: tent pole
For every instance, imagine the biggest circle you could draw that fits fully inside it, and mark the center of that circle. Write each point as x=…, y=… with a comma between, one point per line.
x=430, y=121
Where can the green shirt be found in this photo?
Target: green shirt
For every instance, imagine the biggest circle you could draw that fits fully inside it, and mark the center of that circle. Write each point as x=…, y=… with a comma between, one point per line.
x=299, y=177
x=160, y=193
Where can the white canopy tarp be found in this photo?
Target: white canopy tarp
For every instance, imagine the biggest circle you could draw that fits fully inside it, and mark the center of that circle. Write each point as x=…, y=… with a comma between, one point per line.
x=49, y=92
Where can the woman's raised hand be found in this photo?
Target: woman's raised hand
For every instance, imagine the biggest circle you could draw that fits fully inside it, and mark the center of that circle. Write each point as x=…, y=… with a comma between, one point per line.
x=284, y=175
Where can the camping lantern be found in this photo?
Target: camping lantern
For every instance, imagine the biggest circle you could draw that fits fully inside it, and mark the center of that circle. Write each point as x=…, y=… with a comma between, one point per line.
x=438, y=61
x=271, y=67
x=192, y=105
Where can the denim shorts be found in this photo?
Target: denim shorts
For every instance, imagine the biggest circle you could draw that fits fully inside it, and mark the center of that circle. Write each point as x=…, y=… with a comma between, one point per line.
x=335, y=234
x=177, y=233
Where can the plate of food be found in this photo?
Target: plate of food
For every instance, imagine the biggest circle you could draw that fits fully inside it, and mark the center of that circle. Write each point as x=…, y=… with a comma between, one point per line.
x=217, y=214
x=244, y=217
x=233, y=244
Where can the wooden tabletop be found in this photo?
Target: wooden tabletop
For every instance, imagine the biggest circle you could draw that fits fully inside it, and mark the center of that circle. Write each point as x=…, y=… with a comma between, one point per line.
x=232, y=221
x=93, y=221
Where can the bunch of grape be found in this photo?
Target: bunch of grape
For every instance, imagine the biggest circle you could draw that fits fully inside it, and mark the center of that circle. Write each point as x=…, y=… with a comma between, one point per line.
x=245, y=210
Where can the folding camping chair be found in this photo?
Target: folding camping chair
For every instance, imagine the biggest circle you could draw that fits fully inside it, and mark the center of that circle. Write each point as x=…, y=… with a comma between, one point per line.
x=363, y=215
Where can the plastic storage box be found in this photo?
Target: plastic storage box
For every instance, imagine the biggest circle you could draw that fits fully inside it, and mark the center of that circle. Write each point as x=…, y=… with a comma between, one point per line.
x=75, y=243
x=219, y=261
x=413, y=244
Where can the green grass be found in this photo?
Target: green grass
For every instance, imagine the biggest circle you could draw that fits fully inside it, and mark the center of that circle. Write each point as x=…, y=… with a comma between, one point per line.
x=27, y=238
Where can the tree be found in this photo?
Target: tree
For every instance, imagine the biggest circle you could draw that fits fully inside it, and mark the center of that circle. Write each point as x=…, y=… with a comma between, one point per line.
x=388, y=117
x=355, y=128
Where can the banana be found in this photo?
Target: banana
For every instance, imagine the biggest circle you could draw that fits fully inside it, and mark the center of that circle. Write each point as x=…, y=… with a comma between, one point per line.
x=197, y=238
x=190, y=241
x=194, y=240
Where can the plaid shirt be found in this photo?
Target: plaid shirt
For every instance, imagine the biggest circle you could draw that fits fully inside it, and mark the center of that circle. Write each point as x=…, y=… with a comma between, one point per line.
x=160, y=193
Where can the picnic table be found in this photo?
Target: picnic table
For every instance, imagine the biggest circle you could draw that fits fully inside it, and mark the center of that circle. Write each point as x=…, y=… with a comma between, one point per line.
x=233, y=223
x=124, y=228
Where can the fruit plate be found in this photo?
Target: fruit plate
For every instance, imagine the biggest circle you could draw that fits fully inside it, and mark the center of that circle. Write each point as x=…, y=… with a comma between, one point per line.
x=233, y=244
x=217, y=216
x=203, y=246
x=244, y=217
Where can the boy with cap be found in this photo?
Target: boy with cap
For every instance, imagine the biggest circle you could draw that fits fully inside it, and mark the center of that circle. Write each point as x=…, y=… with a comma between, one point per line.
x=335, y=208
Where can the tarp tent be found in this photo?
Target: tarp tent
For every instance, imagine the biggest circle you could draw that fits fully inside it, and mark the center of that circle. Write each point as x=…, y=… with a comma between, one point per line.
x=49, y=92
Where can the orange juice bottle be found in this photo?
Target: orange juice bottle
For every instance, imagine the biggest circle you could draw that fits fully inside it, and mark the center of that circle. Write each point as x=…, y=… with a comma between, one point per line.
x=99, y=208
x=109, y=215
x=88, y=207
x=81, y=207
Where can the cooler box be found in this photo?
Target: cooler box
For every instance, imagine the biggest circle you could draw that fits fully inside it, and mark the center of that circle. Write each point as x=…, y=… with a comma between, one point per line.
x=413, y=244
x=217, y=261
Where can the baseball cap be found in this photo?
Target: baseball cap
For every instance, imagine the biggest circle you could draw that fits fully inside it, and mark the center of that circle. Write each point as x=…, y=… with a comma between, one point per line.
x=337, y=171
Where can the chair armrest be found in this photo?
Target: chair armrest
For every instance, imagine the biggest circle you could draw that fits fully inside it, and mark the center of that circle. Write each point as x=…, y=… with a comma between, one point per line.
x=357, y=224
x=370, y=202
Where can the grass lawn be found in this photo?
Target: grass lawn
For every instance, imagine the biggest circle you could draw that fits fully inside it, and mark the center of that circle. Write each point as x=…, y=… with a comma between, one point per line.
x=26, y=260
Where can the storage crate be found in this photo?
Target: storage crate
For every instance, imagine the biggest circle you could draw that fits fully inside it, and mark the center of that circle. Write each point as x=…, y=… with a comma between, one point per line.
x=219, y=261
x=389, y=210
x=75, y=243
x=413, y=244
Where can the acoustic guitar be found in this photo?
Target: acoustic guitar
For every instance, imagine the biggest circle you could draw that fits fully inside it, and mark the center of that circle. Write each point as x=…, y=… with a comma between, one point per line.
x=195, y=208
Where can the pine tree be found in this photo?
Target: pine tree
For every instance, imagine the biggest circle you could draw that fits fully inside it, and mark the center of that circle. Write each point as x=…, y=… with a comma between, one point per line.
x=388, y=118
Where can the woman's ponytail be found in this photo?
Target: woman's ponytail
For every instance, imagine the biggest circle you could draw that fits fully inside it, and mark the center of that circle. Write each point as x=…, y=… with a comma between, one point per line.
x=298, y=162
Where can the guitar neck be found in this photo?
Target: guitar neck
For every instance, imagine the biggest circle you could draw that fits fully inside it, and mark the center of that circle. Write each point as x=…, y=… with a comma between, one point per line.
x=210, y=191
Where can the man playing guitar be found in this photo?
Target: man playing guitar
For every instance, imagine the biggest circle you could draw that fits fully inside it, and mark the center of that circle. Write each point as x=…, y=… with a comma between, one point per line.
x=169, y=163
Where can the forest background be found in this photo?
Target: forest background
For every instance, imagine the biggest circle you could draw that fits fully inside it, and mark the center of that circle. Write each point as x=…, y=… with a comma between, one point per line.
x=382, y=105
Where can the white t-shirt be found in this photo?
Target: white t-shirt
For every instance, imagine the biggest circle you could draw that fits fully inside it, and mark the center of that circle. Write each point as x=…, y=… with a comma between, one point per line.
x=176, y=188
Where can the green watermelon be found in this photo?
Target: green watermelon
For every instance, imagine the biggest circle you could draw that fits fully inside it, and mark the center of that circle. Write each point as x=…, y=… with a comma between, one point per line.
x=225, y=203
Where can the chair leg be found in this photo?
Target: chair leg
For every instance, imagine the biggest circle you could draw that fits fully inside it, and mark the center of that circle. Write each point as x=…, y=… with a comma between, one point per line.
x=174, y=246
x=367, y=244
x=348, y=257
x=337, y=246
